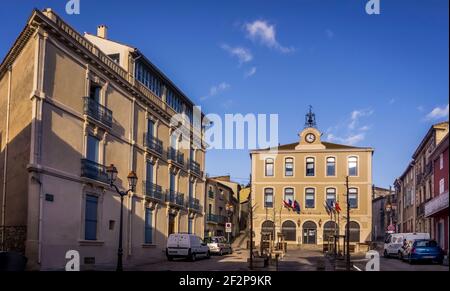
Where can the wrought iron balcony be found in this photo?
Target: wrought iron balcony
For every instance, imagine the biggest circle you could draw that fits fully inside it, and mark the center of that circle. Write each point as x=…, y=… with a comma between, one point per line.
x=94, y=171
x=420, y=210
x=195, y=168
x=175, y=198
x=96, y=111
x=194, y=204
x=153, y=143
x=153, y=191
x=428, y=169
x=175, y=155
x=212, y=218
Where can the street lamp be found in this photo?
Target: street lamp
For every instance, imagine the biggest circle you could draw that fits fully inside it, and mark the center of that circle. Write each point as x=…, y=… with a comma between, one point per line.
x=132, y=181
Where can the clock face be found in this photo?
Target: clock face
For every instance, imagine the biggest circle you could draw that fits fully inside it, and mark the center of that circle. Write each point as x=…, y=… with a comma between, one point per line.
x=310, y=138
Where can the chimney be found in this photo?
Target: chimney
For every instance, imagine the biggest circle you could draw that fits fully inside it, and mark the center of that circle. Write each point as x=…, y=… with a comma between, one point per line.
x=102, y=31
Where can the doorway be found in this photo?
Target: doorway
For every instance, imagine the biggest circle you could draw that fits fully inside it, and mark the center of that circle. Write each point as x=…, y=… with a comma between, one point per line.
x=309, y=233
x=171, y=224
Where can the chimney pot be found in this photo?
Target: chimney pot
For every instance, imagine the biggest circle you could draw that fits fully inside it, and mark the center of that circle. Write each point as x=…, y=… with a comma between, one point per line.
x=102, y=31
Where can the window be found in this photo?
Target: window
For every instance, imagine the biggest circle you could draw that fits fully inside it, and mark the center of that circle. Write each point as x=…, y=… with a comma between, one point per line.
x=441, y=161
x=354, y=232
x=192, y=154
x=269, y=167
x=151, y=128
x=353, y=197
x=331, y=166
x=148, y=226
x=331, y=196
x=310, y=167
x=172, y=182
x=90, y=218
x=92, y=149
x=148, y=79
x=441, y=186
x=268, y=198
x=190, y=223
x=310, y=198
x=289, y=194
x=289, y=167
x=115, y=57
x=149, y=174
x=353, y=166
x=94, y=92
x=190, y=190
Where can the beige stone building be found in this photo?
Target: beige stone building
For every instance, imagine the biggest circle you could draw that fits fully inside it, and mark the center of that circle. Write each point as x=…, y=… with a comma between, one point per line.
x=71, y=104
x=311, y=172
x=415, y=186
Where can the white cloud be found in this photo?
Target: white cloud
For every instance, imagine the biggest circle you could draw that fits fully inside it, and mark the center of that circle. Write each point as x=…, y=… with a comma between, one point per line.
x=364, y=128
x=265, y=33
x=351, y=139
x=216, y=90
x=438, y=113
x=244, y=55
x=356, y=115
x=250, y=72
x=329, y=33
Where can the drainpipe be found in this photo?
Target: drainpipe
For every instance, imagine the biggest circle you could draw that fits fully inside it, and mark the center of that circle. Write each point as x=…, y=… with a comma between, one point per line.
x=8, y=107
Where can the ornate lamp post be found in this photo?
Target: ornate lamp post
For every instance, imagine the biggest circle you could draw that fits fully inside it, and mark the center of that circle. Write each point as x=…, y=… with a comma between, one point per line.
x=132, y=181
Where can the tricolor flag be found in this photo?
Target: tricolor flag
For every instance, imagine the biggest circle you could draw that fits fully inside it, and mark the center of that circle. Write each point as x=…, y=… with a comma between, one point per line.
x=287, y=205
x=327, y=207
x=337, y=207
x=296, y=206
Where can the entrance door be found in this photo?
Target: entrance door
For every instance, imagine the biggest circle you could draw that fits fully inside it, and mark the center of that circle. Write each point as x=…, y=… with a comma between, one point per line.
x=309, y=233
x=171, y=224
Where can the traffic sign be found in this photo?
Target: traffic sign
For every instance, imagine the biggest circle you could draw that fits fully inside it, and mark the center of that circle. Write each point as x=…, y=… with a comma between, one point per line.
x=228, y=227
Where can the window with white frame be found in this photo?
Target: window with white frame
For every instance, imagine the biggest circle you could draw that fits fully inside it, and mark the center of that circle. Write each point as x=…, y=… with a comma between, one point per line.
x=331, y=196
x=353, y=166
x=289, y=167
x=441, y=161
x=268, y=198
x=441, y=186
x=289, y=194
x=310, y=201
x=353, y=197
x=269, y=167
x=310, y=167
x=331, y=166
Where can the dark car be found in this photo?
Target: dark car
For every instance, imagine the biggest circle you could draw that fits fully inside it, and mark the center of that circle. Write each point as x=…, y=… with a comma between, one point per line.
x=424, y=250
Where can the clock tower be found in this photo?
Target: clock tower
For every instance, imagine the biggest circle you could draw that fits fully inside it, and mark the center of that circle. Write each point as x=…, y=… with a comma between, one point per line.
x=310, y=136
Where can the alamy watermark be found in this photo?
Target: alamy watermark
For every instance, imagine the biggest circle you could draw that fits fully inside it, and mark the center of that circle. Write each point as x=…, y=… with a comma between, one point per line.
x=73, y=7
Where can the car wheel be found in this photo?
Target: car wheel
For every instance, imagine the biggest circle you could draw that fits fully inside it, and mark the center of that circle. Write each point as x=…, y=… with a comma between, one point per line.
x=193, y=257
x=221, y=252
x=400, y=255
x=385, y=254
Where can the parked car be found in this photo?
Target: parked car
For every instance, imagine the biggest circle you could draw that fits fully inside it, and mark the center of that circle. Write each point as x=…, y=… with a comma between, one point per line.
x=423, y=250
x=394, y=242
x=183, y=245
x=219, y=245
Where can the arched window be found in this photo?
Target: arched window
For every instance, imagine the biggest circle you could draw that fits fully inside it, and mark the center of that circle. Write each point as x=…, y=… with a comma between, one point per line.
x=354, y=232
x=268, y=227
x=309, y=232
x=353, y=197
x=353, y=166
x=289, y=230
x=268, y=198
x=289, y=194
x=289, y=167
x=331, y=166
x=269, y=167
x=330, y=228
x=310, y=167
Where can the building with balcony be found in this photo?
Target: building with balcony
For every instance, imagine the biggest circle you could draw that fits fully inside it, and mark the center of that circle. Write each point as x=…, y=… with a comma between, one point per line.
x=293, y=183
x=71, y=104
x=222, y=207
x=437, y=208
x=414, y=188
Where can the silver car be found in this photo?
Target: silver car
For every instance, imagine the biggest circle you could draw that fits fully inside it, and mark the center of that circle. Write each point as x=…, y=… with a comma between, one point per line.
x=219, y=245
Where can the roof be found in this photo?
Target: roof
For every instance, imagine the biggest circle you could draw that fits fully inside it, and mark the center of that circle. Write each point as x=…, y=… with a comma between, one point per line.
x=328, y=146
x=441, y=125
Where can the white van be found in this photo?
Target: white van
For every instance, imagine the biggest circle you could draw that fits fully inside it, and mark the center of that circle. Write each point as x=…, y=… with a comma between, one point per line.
x=184, y=245
x=394, y=242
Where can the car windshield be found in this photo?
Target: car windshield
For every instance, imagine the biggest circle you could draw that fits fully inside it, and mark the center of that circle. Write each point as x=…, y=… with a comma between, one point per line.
x=426, y=243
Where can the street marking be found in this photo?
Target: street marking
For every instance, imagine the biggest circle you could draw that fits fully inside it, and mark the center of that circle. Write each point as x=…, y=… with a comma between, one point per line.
x=354, y=266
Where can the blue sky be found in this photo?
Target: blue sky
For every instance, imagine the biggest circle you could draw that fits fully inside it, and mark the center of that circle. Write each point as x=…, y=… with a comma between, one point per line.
x=374, y=80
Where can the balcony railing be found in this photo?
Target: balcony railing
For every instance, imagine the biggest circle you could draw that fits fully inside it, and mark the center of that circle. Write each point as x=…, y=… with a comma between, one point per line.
x=212, y=218
x=153, y=143
x=195, y=167
x=153, y=191
x=194, y=204
x=175, y=155
x=175, y=198
x=428, y=169
x=94, y=171
x=211, y=194
x=222, y=219
x=97, y=111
